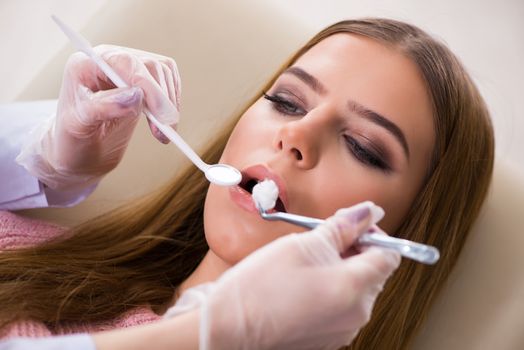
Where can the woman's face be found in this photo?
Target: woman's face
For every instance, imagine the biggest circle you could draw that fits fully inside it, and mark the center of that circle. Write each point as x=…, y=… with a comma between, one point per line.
x=349, y=121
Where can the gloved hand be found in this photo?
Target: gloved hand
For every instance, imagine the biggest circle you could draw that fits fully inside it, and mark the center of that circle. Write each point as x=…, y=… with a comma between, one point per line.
x=94, y=121
x=296, y=292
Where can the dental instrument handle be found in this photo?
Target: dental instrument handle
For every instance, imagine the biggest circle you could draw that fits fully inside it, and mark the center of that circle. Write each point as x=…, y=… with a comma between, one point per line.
x=416, y=251
x=178, y=141
x=83, y=45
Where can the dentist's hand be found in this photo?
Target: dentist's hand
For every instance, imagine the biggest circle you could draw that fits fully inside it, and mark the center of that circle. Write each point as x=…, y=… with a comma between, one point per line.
x=297, y=292
x=94, y=122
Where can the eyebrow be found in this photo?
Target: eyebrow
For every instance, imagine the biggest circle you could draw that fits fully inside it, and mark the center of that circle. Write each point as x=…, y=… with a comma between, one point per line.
x=382, y=121
x=353, y=106
x=307, y=78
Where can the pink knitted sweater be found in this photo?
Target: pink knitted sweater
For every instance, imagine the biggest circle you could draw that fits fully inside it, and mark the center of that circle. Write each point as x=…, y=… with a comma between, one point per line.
x=16, y=232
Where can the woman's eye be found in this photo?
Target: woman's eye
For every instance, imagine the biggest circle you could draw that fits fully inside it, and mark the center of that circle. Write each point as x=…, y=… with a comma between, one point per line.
x=284, y=106
x=366, y=156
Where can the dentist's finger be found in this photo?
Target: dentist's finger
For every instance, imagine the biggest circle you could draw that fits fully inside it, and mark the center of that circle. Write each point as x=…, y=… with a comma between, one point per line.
x=372, y=267
x=349, y=223
x=133, y=71
x=159, y=135
x=328, y=242
x=110, y=104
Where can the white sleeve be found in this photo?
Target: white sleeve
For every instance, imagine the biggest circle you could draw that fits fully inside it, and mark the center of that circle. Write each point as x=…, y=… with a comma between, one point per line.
x=68, y=342
x=18, y=188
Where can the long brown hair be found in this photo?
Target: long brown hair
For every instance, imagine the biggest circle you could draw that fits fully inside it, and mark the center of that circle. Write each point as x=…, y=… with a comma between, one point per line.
x=138, y=254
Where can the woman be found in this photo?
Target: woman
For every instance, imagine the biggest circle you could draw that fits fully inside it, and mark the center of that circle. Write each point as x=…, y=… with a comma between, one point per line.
x=367, y=110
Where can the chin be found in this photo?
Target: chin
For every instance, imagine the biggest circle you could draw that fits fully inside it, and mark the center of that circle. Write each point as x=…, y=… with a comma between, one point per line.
x=231, y=246
x=233, y=233
x=226, y=232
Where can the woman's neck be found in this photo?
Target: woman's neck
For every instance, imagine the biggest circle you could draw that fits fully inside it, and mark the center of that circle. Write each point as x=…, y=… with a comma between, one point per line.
x=209, y=269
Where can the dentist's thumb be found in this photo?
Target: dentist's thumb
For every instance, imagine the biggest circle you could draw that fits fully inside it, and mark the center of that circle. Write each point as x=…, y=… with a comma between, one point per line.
x=343, y=229
x=104, y=105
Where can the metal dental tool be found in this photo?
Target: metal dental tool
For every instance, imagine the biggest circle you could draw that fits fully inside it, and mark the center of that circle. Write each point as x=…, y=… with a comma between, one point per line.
x=416, y=251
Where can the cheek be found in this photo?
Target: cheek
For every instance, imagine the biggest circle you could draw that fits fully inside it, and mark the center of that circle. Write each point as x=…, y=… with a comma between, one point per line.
x=250, y=139
x=222, y=234
x=331, y=193
x=358, y=184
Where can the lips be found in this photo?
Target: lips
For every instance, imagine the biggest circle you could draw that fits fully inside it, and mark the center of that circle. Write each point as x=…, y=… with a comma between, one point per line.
x=241, y=194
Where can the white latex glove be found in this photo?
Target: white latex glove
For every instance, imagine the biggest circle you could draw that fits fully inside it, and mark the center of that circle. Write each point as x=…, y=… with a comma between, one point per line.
x=296, y=292
x=94, y=122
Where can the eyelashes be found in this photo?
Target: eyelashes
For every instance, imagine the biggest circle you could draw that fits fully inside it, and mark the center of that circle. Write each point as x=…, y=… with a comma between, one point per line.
x=365, y=156
x=361, y=153
x=284, y=106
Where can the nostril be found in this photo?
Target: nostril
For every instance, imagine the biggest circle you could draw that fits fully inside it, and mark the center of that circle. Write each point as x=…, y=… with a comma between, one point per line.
x=297, y=153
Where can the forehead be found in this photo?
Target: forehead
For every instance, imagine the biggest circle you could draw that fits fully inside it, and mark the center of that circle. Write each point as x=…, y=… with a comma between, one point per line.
x=378, y=76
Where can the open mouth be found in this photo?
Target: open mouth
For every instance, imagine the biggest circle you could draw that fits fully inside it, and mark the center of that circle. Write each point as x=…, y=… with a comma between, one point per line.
x=249, y=182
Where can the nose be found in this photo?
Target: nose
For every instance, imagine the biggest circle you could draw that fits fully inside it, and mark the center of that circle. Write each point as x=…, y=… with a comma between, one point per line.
x=300, y=141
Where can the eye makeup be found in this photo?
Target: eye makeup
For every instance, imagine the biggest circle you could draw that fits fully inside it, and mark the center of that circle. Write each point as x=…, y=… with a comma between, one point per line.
x=284, y=105
x=369, y=153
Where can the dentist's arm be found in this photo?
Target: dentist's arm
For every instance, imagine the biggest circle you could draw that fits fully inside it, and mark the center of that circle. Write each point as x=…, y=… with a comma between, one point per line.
x=294, y=293
x=70, y=342
x=176, y=333
x=63, y=151
x=313, y=290
x=18, y=188
x=180, y=332
x=301, y=291
x=94, y=120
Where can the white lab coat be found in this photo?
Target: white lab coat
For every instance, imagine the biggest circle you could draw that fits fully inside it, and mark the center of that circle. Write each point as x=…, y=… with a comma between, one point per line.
x=66, y=342
x=20, y=190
